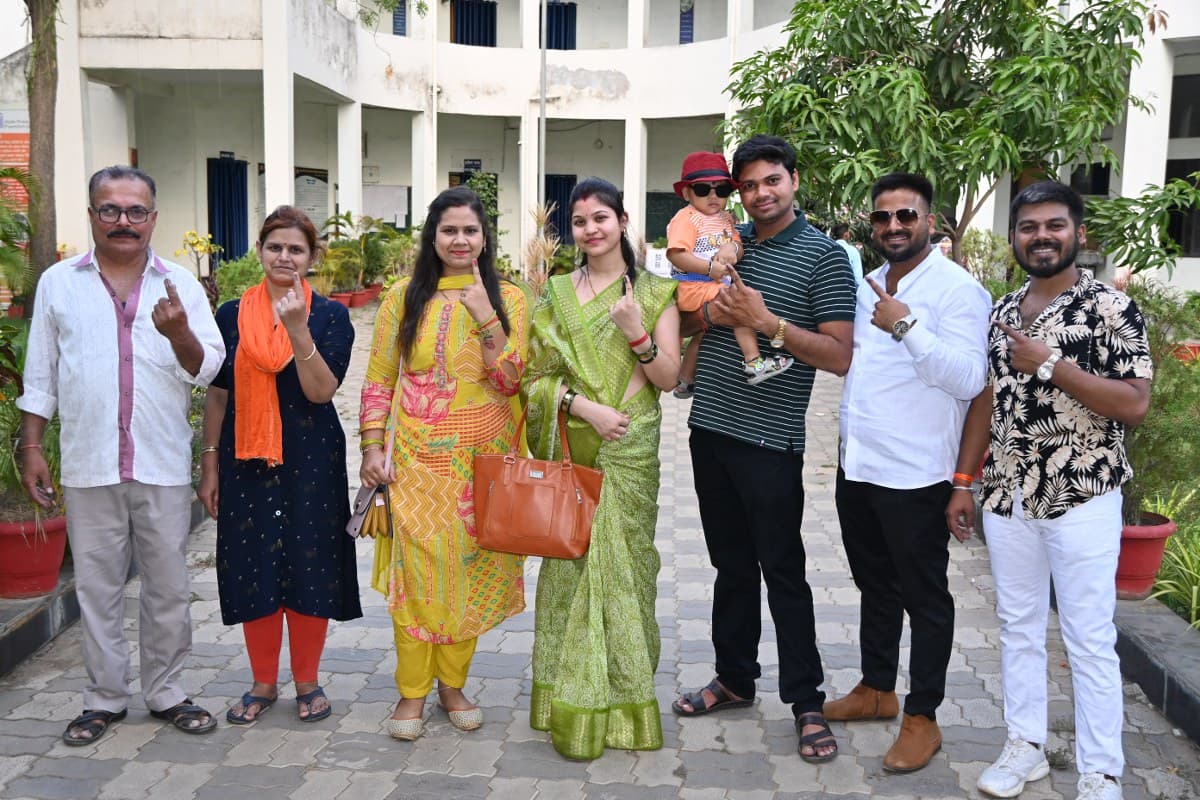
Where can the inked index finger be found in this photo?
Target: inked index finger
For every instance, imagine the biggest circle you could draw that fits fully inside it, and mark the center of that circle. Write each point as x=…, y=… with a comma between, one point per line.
x=734, y=276
x=171, y=293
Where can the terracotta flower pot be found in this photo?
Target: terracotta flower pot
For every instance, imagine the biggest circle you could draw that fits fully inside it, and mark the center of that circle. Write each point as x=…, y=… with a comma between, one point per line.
x=1141, y=555
x=359, y=297
x=375, y=289
x=29, y=561
x=341, y=297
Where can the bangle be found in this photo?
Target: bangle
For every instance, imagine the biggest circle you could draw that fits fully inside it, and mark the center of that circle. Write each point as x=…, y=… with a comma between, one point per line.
x=649, y=355
x=564, y=402
x=480, y=327
x=212, y=448
x=571, y=402
x=641, y=340
x=710, y=263
x=313, y=353
x=963, y=488
x=30, y=447
x=963, y=479
x=370, y=444
x=706, y=320
x=365, y=442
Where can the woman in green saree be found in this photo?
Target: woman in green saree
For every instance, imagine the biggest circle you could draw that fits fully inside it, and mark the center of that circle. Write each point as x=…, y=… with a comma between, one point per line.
x=605, y=343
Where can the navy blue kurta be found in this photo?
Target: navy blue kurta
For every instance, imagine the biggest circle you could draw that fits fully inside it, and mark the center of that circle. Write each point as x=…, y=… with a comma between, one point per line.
x=281, y=539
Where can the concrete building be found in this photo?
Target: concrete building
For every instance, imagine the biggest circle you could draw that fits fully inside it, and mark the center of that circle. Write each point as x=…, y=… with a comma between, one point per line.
x=237, y=106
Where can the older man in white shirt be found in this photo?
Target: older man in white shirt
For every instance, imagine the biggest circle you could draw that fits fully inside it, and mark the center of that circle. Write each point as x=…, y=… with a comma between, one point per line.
x=920, y=337
x=119, y=337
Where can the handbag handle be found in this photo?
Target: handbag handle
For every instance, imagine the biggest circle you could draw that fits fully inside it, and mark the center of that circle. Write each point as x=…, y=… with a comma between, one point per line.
x=562, y=436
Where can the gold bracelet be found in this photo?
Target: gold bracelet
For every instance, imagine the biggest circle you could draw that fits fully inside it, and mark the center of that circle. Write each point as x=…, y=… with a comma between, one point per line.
x=313, y=353
x=370, y=445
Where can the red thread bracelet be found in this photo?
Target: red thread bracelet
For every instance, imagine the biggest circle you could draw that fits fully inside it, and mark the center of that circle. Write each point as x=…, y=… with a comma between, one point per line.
x=641, y=341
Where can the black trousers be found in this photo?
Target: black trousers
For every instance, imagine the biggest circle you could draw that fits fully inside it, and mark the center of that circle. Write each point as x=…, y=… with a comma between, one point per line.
x=898, y=547
x=751, y=504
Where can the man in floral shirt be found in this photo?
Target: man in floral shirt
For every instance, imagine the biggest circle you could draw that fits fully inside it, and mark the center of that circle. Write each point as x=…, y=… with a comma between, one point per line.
x=1069, y=369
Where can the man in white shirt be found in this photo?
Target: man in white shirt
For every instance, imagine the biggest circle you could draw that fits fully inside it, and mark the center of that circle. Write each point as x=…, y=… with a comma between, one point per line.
x=840, y=233
x=920, y=337
x=118, y=339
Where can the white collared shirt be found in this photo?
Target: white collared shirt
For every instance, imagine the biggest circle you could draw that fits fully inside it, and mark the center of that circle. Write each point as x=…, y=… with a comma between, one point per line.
x=904, y=402
x=73, y=365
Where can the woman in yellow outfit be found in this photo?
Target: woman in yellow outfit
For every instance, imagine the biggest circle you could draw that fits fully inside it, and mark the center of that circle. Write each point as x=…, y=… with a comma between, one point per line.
x=456, y=336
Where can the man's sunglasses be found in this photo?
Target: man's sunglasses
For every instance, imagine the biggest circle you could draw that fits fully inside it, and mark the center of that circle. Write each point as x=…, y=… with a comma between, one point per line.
x=702, y=189
x=135, y=214
x=905, y=216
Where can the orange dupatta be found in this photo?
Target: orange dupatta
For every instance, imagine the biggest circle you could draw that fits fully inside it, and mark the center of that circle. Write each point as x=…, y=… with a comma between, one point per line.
x=264, y=349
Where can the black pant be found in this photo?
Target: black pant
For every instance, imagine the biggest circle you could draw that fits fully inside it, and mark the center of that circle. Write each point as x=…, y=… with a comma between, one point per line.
x=751, y=503
x=898, y=547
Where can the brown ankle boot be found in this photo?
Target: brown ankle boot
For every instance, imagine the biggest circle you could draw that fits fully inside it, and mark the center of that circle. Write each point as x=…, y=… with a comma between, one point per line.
x=863, y=702
x=919, y=739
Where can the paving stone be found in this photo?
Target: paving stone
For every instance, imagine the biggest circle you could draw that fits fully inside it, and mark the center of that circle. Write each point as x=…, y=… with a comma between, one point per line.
x=371, y=786
x=726, y=770
x=135, y=781
x=12, y=767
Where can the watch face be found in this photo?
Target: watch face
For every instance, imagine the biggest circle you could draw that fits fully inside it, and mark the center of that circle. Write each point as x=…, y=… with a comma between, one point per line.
x=899, y=329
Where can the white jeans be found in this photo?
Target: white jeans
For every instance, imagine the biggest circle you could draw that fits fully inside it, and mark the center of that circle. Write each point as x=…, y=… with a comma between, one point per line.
x=1079, y=549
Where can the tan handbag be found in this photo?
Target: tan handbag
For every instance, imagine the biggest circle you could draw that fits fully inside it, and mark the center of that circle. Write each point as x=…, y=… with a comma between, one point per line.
x=534, y=507
x=372, y=513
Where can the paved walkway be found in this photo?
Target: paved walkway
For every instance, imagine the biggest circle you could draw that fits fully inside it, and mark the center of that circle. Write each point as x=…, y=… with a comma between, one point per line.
x=748, y=754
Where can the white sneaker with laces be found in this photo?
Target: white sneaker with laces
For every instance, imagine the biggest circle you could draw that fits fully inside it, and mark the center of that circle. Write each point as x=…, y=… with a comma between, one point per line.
x=1095, y=786
x=1019, y=763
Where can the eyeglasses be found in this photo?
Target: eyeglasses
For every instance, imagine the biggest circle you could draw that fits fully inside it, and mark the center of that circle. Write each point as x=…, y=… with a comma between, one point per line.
x=702, y=189
x=905, y=216
x=135, y=214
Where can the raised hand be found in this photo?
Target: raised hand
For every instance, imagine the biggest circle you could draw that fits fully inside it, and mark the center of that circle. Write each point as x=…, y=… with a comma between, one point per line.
x=626, y=314
x=292, y=309
x=169, y=316
x=475, y=297
x=1025, y=353
x=738, y=304
x=888, y=310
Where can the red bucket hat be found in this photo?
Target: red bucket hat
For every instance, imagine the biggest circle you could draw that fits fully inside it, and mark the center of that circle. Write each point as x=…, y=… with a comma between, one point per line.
x=702, y=167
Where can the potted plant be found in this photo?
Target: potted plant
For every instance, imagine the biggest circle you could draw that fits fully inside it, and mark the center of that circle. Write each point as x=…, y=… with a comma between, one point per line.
x=32, y=542
x=1164, y=450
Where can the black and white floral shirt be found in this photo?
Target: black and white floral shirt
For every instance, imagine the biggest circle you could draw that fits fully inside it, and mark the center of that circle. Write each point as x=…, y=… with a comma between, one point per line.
x=1057, y=451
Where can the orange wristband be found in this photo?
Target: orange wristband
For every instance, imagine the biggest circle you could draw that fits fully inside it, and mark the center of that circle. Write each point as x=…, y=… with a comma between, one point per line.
x=963, y=479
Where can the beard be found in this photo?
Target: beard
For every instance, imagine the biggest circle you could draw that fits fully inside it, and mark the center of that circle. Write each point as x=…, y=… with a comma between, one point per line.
x=916, y=244
x=1047, y=267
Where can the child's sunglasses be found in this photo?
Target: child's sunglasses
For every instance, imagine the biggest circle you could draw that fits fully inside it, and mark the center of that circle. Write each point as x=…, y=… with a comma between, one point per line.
x=702, y=189
x=905, y=216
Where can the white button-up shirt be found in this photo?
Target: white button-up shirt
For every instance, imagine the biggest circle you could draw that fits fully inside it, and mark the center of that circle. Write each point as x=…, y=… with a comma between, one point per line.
x=120, y=421
x=904, y=402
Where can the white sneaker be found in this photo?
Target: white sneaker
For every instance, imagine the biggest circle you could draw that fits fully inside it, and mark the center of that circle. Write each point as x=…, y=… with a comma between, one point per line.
x=1019, y=763
x=1094, y=786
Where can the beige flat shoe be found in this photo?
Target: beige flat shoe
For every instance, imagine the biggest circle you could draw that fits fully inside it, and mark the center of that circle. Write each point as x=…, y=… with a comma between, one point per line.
x=407, y=730
x=467, y=719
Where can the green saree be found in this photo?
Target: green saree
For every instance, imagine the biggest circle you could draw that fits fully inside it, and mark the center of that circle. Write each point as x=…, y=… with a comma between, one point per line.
x=596, y=642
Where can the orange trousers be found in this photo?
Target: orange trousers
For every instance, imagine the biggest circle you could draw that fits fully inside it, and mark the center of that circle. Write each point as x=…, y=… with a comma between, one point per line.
x=306, y=642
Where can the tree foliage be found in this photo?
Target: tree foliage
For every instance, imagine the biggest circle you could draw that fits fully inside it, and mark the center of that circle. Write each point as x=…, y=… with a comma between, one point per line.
x=1135, y=231
x=967, y=92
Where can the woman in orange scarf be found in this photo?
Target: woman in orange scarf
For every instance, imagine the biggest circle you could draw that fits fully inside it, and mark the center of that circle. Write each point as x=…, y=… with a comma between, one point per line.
x=273, y=469
x=446, y=360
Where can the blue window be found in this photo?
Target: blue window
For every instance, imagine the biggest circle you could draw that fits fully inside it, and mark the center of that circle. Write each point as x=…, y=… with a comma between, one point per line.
x=560, y=20
x=473, y=22
x=400, y=19
x=687, y=22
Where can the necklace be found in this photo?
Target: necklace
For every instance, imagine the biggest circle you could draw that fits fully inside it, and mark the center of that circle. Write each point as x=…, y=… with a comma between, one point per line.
x=445, y=296
x=587, y=276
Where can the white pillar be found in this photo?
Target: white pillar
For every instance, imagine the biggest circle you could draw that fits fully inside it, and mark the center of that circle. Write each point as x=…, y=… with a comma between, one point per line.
x=424, y=155
x=635, y=174
x=1144, y=160
x=279, y=152
x=527, y=160
x=636, y=39
x=531, y=22
x=72, y=132
x=349, y=157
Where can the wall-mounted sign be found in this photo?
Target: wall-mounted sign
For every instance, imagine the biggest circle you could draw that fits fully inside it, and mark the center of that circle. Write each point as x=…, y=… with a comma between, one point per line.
x=472, y=165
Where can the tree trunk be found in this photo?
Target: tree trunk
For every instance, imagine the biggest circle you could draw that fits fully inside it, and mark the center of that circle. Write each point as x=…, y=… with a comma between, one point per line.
x=42, y=83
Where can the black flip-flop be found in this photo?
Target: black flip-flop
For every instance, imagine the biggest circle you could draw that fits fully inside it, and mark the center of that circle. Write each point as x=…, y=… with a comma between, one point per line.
x=94, y=722
x=722, y=699
x=307, y=699
x=263, y=703
x=821, y=738
x=182, y=714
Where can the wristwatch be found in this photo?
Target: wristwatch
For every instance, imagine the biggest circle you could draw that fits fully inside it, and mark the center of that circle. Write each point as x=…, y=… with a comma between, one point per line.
x=902, y=326
x=1046, y=370
x=777, y=340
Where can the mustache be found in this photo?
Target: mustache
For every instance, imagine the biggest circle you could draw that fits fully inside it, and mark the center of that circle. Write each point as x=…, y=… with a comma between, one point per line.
x=121, y=233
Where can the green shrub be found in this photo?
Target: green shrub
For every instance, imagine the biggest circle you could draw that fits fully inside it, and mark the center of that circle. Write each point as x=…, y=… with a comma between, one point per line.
x=235, y=277
x=989, y=257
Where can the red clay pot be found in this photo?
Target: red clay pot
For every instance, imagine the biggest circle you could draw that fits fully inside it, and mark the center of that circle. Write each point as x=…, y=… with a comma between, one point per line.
x=375, y=289
x=1187, y=351
x=341, y=297
x=1141, y=555
x=359, y=298
x=16, y=311
x=29, y=563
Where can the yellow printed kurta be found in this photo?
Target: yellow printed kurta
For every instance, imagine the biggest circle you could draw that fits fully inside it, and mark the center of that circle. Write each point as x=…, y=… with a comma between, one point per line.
x=441, y=587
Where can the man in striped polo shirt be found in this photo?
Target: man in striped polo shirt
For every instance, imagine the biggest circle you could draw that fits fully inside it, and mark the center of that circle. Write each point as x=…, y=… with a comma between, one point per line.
x=795, y=287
